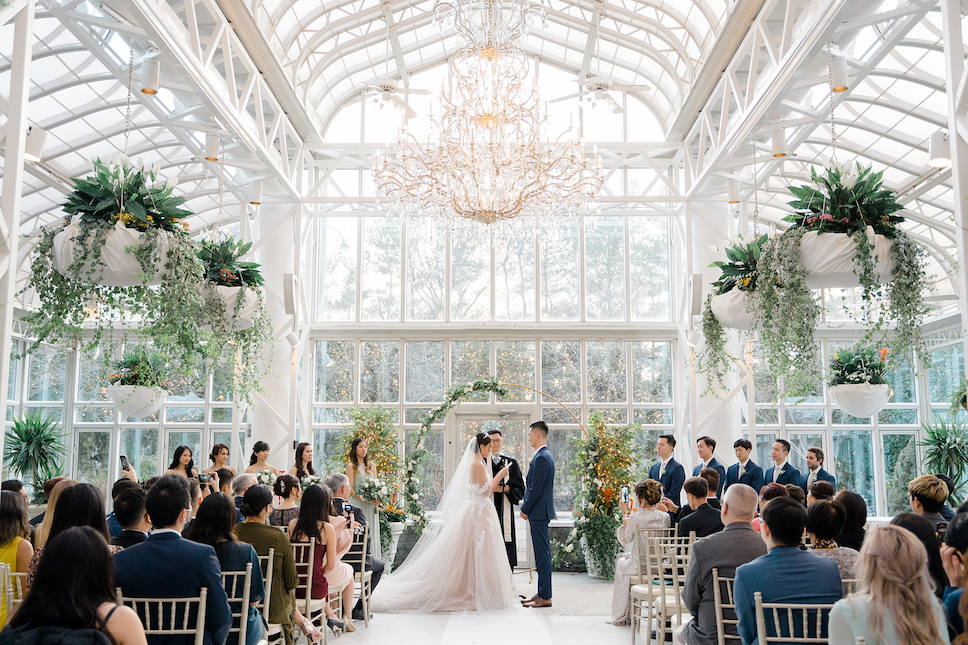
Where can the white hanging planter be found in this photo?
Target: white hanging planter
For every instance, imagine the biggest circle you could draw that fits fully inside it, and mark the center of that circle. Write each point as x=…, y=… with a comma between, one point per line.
x=730, y=309
x=829, y=259
x=247, y=312
x=862, y=400
x=137, y=401
x=118, y=267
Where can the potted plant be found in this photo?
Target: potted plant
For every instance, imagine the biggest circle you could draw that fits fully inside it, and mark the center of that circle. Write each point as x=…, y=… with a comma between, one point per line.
x=857, y=384
x=138, y=387
x=393, y=518
x=946, y=452
x=34, y=447
x=603, y=463
x=232, y=283
x=959, y=398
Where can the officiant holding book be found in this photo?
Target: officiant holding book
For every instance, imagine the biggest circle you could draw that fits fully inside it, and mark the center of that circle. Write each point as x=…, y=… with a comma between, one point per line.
x=511, y=493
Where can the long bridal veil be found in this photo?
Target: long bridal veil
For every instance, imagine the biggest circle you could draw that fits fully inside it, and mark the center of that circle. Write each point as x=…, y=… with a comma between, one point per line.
x=459, y=563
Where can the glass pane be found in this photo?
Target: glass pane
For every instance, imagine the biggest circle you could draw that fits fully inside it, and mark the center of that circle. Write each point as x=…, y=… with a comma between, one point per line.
x=560, y=415
x=652, y=372
x=944, y=377
x=14, y=366
x=644, y=444
x=612, y=415
x=55, y=411
x=606, y=372
x=94, y=414
x=561, y=443
x=515, y=364
x=425, y=371
x=221, y=415
x=648, y=416
x=515, y=433
x=900, y=467
x=514, y=279
x=799, y=442
x=767, y=416
x=854, y=464
x=91, y=382
x=560, y=254
x=93, y=454
x=431, y=471
x=380, y=269
x=561, y=369
x=803, y=416
x=841, y=417
x=764, y=445
x=47, y=374
x=898, y=417
x=764, y=383
x=328, y=453
x=415, y=415
x=649, y=267
x=335, y=371
x=190, y=438
x=241, y=460
x=903, y=382
x=604, y=268
x=470, y=270
x=336, y=275
x=379, y=371
x=331, y=415
x=185, y=415
x=425, y=272
x=140, y=446
x=470, y=360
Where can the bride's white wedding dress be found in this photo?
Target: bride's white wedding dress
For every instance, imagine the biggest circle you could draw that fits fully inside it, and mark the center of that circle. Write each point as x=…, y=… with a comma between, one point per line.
x=460, y=562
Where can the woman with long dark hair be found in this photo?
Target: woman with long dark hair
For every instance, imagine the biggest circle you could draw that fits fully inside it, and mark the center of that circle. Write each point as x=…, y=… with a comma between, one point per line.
x=924, y=530
x=220, y=459
x=214, y=525
x=313, y=523
x=853, y=534
x=257, y=462
x=286, y=487
x=182, y=463
x=74, y=589
x=359, y=467
x=15, y=549
x=304, y=461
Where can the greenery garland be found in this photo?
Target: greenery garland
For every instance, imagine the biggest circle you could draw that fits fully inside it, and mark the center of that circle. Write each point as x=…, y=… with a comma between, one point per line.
x=712, y=359
x=415, y=513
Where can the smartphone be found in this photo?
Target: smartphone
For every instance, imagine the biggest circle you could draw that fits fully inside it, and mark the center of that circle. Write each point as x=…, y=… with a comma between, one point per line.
x=204, y=478
x=625, y=495
x=125, y=465
x=942, y=531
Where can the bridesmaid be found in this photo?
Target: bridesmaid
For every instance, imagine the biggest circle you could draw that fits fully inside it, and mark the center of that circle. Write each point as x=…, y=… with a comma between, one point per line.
x=361, y=466
x=182, y=463
x=220, y=459
x=304, y=461
x=257, y=462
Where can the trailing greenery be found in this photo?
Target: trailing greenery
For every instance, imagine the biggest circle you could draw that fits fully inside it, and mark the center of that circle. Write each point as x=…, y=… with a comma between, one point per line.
x=141, y=368
x=34, y=447
x=860, y=363
x=603, y=463
x=223, y=264
x=946, y=452
x=959, y=398
x=905, y=299
x=740, y=269
x=712, y=360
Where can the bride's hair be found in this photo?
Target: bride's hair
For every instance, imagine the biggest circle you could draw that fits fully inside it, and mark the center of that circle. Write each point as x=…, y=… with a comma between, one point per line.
x=482, y=440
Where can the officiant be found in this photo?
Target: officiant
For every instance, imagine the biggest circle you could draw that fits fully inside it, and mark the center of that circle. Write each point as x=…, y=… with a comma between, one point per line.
x=512, y=493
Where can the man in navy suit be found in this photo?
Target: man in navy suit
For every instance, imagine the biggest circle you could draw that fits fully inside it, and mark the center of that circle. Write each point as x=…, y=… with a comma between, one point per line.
x=745, y=471
x=783, y=472
x=779, y=575
x=815, y=471
x=706, y=446
x=166, y=565
x=668, y=471
x=538, y=508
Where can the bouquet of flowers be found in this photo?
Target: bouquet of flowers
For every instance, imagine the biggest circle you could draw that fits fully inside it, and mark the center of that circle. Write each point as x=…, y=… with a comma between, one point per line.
x=371, y=489
x=859, y=364
x=310, y=480
x=266, y=477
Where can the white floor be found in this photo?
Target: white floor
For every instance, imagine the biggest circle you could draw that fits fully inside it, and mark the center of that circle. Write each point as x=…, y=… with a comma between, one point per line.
x=581, y=607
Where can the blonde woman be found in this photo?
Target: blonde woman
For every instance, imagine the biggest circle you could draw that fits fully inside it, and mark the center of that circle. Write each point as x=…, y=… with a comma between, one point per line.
x=43, y=529
x=896, y=604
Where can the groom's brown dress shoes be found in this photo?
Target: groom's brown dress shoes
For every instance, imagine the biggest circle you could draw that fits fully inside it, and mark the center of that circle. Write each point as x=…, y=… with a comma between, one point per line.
x=531, y=599
x=538, y=602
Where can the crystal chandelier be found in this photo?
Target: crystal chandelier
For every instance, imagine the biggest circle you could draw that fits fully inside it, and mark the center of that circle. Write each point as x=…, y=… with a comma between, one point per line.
x=485, y=160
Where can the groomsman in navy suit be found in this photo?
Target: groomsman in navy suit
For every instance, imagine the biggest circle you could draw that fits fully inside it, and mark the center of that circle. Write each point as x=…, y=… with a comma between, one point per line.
x=668, y=471
x=746, y=471
x=816, y=472
x=706, y=447
x=783, y=472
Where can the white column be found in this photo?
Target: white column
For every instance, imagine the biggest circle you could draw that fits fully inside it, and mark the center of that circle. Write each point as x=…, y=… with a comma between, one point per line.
x=271, y=421
x=13, y=172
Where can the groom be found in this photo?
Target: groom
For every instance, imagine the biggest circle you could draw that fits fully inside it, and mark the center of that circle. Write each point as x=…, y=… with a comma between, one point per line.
x=539, y=509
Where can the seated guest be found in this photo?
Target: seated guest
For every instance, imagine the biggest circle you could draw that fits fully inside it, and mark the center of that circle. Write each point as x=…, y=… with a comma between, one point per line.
x=286, y=487
x=953, y=555
x=312, y=524
x=225, y=479
x=825, y=521
x=782, y=472
x=241, y=484
x=41, y=532
x=745, y=471
x=74, y=590
x=79, y=505
x=648, y=493
x=735, y=545
x=339, y=484
x=15, y=549
x=895, y=605
x=820, y=490
x=768, y=492
x=129, y=509
x=924, y=530
x=946, y=511
x=166, y=565
x=852, y=536
x=815, y=471
x=114, y=525
x=779, y=575
x=704, y=519
x=148, y=483
x=48, y=487
x=15, y=486
x=797, y=493
x=711, y=476
x=341, y=577
x=213, y=525
x=928, y=495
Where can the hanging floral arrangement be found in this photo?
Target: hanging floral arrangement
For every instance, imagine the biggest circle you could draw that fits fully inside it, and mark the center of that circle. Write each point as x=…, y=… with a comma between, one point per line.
x=138, y=386
x=857, y=382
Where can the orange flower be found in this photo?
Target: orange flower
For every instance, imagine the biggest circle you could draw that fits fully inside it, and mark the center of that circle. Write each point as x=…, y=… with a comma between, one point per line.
x=883, y=354
x=607, y=494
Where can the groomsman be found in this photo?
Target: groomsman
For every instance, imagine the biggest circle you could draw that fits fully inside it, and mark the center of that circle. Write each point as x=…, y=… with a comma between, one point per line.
x=783, y=472
x=506, y=498
x=815, y=471
x=668, y=471
x=706, y=446
x=745, y=471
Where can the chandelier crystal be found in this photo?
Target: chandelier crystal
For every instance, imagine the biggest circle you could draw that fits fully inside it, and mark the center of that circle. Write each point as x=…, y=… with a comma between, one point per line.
x=485, y=160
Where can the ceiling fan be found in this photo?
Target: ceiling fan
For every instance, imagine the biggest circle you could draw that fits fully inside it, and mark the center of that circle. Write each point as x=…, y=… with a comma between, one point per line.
x=594, y=92
x=386, y=91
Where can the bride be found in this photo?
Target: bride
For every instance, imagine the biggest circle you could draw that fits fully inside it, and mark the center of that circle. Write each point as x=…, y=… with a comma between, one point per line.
x=460, y=562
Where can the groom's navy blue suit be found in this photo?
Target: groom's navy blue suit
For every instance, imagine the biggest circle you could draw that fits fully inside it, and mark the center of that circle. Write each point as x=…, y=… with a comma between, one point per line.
x=539, y=505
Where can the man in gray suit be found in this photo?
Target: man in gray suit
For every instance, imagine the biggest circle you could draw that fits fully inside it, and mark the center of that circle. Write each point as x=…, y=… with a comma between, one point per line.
x=736, y=544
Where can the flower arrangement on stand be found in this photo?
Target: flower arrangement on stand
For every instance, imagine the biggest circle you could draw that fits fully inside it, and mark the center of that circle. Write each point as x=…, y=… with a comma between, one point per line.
x=393, y=518
x=857, y=384
x=266, y=477
x=603, y=463
x=138, y=387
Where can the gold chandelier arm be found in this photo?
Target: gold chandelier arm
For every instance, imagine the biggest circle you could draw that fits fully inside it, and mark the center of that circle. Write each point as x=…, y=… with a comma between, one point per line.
x=584, y=433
